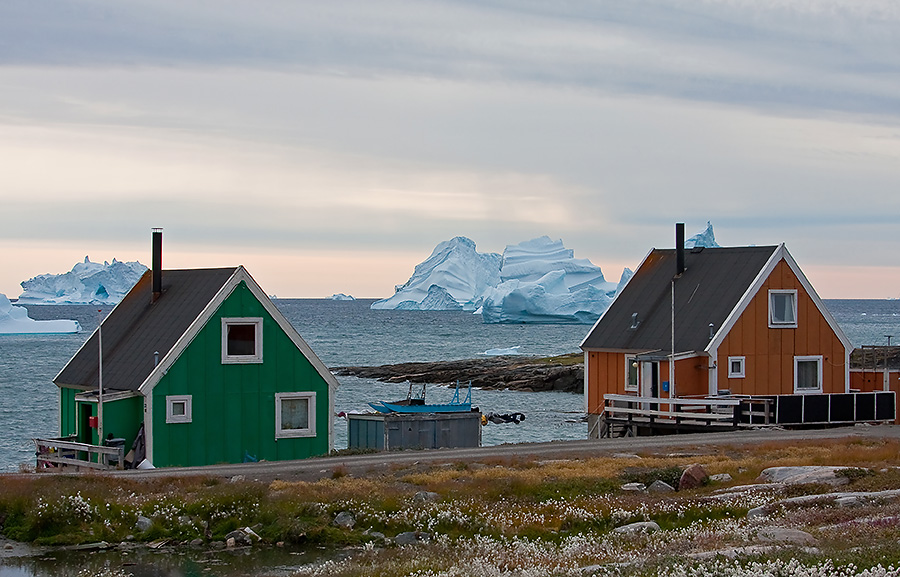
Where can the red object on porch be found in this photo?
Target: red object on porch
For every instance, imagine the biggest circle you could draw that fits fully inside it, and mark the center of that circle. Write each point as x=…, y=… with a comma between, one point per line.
x=92, y=422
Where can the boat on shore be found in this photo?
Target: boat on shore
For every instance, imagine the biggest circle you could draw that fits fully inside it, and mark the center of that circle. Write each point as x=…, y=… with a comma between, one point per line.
x=418, y=404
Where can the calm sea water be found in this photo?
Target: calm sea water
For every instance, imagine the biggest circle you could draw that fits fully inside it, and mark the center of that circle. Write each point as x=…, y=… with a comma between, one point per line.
x=350, y=333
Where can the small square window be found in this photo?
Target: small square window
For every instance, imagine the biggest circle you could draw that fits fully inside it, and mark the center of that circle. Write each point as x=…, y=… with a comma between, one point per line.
x=295, y=415
x=241, y=340
x=783, y=308
x=178, y=408
x=735, y=367
x=631, y=374
x=808, y=374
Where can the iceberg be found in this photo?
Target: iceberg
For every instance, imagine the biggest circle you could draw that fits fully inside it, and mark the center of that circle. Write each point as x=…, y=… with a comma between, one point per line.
x=341, y=297
x=454, y=277
x=543, y=282
x=87, y=283
x=536, y=281
x=15, y=320
x=705, y=238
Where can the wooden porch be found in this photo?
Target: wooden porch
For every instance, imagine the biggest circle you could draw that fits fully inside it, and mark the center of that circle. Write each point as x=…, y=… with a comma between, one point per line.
x=630, y=416
x=61, y=454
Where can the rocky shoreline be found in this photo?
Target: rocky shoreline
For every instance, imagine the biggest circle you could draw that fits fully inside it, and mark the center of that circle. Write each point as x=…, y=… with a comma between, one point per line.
x=564, y=373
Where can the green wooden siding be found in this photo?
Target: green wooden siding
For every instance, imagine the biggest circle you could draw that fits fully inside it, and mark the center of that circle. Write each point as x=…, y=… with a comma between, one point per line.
x=122, y=418
x=68, y=425
x=233, y=405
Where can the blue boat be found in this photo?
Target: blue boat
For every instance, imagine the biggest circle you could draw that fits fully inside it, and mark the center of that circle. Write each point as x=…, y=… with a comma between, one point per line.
x=418, y=405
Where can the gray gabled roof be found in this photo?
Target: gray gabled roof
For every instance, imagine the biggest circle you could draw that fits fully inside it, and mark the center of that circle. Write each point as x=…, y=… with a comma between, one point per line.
x=712, y=285
x=136, y=329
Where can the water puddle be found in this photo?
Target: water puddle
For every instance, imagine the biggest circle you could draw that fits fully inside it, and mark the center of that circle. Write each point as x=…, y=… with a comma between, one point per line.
x=141, y=561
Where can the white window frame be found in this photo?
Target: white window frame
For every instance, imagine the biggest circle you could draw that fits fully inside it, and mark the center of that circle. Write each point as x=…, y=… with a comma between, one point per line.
x=295, y=433
x=629, y=361
x=776, y=324
x=171, y=401
x=257, y=357
x=808, y=358
x=740, y=374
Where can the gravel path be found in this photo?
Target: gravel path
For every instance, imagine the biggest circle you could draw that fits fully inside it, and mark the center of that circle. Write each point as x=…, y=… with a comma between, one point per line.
x=373, y=463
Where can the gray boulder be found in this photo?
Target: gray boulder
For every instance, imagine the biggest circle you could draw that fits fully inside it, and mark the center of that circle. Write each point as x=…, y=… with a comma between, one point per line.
x=345, y=520
x=692, y=477
x=412, y=538
x=143, y=523
x=658, y=486
x=639, y=527
x=423, y=497
x=720, y=478
x=801, y=475
x=635, y=487
x=237, y=538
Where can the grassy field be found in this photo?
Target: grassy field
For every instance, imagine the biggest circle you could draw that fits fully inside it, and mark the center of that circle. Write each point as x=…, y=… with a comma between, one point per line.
x=512, y=517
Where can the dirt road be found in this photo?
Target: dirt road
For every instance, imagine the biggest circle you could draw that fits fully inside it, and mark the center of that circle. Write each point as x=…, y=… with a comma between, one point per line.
x=372, y=464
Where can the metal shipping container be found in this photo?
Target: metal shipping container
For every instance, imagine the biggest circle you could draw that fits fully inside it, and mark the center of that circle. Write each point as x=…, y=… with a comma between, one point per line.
x=391, y=431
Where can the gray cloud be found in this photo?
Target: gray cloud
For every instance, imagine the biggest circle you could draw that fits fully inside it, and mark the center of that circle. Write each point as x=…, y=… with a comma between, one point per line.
x=397, y=124
x=828, y=54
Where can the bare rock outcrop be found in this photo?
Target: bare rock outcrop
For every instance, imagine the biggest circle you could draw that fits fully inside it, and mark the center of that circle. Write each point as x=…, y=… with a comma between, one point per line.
x=563, y=373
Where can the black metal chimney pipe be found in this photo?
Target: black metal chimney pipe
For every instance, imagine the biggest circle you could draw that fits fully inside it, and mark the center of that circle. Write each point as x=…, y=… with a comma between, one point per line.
x=157, y=264
x=679, y=247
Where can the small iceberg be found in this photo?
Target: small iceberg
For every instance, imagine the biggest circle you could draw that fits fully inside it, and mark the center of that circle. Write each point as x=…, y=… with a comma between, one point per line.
x=501, y=352
x=341, y=297
x=14, y=320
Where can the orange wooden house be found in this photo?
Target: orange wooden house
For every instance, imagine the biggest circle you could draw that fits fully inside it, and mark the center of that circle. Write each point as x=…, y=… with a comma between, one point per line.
x=729, y=336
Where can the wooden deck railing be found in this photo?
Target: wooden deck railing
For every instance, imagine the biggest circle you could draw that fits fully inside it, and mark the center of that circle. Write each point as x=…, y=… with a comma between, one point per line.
x=57, y=453
x=680, y=410
x=632, y=413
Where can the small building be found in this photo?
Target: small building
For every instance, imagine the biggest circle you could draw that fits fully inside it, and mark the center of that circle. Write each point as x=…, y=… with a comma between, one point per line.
x=726, y=335
x=200, y=367
x=395, y=431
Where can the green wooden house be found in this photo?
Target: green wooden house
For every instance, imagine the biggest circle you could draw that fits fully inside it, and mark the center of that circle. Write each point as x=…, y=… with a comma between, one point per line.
x=202, y=368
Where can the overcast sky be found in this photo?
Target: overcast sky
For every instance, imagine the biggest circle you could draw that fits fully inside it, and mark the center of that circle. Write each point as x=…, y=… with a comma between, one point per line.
x=329, y=146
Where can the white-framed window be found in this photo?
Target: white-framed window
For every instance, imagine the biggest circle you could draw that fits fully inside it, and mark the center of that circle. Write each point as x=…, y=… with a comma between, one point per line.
x=736, y=367
x=631, y=374
x=178, y=408
x=808, y=374
x=295, y=415
x=783, y=308
x=242, y=340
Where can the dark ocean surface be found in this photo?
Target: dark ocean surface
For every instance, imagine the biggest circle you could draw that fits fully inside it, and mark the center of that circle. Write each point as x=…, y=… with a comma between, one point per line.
x=350, y=333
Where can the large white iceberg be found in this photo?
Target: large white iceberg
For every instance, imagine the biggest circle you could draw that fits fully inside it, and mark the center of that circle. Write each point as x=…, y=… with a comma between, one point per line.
x=87, y=283
x=536, y=281
x=454, y=277
x=15, y=320
x=543, y=282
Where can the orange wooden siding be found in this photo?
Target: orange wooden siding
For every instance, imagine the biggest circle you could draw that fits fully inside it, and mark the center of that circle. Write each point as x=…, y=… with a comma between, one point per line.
x=869, y=381
x=769, y=352
x=606, y=374
x=691, y=376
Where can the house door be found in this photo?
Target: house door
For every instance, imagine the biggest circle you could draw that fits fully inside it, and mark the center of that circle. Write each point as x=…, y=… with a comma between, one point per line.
x=85, y=433
x=650, y=382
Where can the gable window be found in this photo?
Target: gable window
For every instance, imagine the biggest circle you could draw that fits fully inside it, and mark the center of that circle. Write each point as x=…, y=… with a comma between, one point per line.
x=783, y=308
x=295, y=415
x=631, y=374
x=178, y=408
x=242, y=340
x=808, y=374
x=735, y=367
